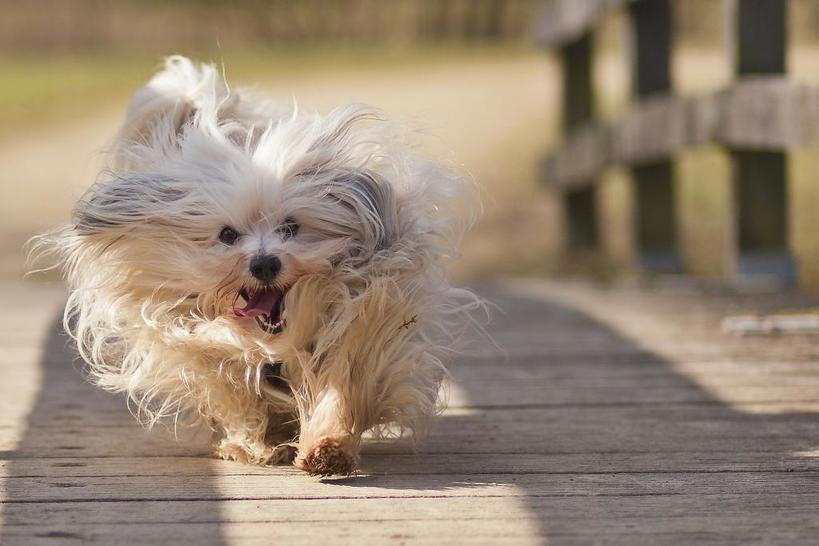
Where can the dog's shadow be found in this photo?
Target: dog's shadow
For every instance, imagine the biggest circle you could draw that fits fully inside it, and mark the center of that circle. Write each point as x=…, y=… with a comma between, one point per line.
x=525, y=420
x=83, y=467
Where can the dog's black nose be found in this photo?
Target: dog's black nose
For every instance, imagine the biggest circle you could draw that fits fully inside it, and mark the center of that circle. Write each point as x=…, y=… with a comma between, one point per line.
x=265, y=267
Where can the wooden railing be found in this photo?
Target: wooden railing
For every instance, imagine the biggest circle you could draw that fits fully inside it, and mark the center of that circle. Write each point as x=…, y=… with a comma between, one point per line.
x=757, y=119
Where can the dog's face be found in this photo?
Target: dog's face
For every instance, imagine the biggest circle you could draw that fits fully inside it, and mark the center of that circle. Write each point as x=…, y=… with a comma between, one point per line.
x=225, y=218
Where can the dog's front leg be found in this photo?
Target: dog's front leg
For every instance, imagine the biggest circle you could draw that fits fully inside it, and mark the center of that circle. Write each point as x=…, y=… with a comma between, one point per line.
x=326, y=445
x=236, y=444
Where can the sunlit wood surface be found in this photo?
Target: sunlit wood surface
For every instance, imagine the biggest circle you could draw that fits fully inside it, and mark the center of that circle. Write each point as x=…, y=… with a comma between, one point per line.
x=617, y=415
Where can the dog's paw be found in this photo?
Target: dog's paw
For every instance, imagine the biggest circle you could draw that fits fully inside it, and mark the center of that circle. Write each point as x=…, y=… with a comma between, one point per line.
x=331, y=456
x=243, y=452
x=231, y=451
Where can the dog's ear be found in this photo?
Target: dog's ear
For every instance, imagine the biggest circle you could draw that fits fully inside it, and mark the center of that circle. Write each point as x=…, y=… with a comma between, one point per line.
x=371, y=198
x=159, y=111
x=116, y=206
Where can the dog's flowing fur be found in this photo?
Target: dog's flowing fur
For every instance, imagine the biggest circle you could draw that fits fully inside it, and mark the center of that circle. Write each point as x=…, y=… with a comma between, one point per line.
x=368, y=310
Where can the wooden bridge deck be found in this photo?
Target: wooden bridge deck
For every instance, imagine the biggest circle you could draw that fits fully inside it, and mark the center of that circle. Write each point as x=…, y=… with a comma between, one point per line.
x=620, y=415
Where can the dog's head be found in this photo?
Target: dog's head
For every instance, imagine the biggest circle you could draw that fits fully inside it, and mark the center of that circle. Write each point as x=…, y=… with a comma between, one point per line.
x=220, y=206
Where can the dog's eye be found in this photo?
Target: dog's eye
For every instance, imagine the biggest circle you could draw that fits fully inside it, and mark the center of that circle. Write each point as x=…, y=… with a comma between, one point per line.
x=288, y=229
x=228, y=235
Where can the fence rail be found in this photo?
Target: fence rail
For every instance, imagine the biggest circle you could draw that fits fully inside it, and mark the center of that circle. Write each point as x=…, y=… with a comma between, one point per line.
x=757, y=119
x=765, y=113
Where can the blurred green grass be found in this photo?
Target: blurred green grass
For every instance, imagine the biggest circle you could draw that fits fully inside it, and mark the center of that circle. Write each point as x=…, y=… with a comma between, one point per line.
x=39, y=89
x=34, y=91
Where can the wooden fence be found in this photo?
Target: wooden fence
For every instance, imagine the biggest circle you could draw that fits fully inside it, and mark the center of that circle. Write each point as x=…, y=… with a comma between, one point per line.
x=757, y=119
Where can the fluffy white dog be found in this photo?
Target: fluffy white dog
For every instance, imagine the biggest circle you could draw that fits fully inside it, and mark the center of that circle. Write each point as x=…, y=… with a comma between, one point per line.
x=279, y=274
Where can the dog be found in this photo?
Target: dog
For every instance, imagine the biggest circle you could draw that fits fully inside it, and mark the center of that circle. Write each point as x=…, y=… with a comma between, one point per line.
x=279, y=275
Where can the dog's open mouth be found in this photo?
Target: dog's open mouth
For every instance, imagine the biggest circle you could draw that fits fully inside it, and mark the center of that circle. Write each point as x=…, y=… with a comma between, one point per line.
x=266, y=305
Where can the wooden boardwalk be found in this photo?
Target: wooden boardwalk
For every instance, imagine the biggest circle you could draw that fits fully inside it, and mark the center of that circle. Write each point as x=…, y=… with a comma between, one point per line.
x=617, y=415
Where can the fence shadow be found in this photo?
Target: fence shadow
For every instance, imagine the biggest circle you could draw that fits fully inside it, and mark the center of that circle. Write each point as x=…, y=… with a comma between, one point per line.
x=554, y=424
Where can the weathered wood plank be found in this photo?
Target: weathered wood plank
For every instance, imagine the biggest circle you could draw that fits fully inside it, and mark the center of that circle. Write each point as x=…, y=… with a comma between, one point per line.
x=767, y=113
x=755, y=113
x=297, y=485
x=582, y=157
x=609, y=509
x=476, y=388
x=619, y=518
x=659, y=428
x=663, y=320
x=282, y=531
x=743, y=531
x=78, y=468
x=653, y=130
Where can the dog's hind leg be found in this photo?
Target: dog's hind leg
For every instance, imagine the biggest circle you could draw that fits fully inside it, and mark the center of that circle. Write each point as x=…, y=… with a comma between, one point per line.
x=282, y=434
x=235, y=445
x=261, y=433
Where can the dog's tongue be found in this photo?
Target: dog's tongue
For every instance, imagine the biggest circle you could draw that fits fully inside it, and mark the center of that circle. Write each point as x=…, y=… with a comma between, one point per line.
x=260, y=303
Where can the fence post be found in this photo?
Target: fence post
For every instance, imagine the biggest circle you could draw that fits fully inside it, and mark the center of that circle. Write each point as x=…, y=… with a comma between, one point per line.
x=655, y=221
x=578, y=109
x=760, y=207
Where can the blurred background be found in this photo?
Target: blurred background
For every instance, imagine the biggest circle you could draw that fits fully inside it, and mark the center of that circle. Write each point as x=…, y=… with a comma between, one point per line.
x=468, y=72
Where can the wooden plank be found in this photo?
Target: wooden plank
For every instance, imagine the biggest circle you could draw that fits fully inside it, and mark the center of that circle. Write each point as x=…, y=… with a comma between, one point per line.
x=680, y=517
x=744, y=530
x=755, y=113
x=767, y=113
x=581, y=159
x=620, y=508
x=664, y=317
x=526, y=381
x=795, y=528
x=653, y=130
x=300, y=486
x=77, y=468
x=564, y=515
x=282, y=531
x=711, y=426
x=478, y=390
x=610, y=507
